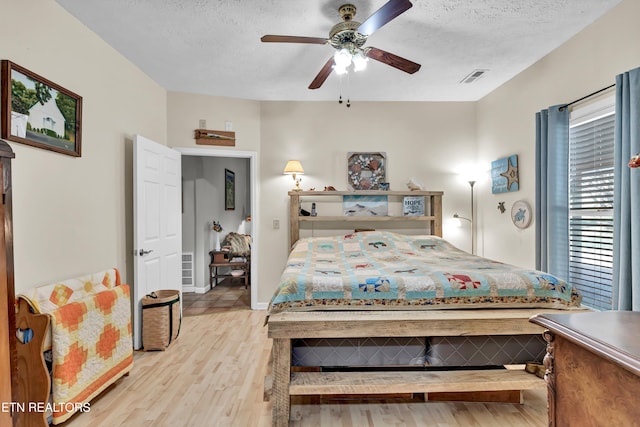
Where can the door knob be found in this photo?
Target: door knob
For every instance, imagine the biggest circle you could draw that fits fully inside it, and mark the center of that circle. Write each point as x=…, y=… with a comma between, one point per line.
x=143, y=252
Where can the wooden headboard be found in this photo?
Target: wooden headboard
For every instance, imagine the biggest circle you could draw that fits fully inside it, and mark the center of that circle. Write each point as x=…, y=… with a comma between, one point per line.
x=432, y=214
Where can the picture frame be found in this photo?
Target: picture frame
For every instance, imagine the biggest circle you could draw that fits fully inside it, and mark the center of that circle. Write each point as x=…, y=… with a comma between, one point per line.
x=413, y=206
x=366, y=171
x=229, y=190
x=361, y=205
x=504, y=175
x=38, y=112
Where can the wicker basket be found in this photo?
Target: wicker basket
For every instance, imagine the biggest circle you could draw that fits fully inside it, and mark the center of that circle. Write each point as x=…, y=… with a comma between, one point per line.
x=161, y=319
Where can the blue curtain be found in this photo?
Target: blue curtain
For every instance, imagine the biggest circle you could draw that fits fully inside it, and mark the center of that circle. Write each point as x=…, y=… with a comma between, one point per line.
x=626, y=200
x=552, y=191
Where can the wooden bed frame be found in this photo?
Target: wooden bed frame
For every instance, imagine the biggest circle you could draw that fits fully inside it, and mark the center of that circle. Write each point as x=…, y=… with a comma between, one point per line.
x=286, y=326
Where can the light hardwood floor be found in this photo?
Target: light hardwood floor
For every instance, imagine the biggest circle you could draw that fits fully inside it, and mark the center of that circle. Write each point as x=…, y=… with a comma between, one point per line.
x=228, y=295
x=213, y=375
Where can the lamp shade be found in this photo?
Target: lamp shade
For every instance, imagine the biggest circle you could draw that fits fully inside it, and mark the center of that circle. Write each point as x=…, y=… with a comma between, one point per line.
x=293, y=167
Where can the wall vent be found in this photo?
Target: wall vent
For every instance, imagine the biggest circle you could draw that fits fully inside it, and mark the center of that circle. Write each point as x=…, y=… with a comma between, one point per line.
x=187, y=269
x=473, y=76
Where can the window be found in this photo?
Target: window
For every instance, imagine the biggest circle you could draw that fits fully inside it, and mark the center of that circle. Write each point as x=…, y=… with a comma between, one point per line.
x=591, y=139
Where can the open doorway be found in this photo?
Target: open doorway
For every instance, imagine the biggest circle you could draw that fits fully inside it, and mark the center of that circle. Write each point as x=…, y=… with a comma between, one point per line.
x=206, y=174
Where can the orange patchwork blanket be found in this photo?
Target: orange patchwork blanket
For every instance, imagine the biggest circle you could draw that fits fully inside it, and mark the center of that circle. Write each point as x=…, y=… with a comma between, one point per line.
x=90, y=336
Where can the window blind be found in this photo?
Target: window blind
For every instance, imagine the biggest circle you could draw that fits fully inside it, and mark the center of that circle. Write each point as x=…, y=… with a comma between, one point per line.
x=591, y=209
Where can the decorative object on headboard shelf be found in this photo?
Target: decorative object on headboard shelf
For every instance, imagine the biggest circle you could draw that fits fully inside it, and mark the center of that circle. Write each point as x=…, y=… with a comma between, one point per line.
x=215, y=137
x=413, y=206
x=360, y=205
x=414, y=185
x=634, y=162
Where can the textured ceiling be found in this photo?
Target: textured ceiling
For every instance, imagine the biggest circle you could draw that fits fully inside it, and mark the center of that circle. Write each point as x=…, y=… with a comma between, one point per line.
x=213, y=46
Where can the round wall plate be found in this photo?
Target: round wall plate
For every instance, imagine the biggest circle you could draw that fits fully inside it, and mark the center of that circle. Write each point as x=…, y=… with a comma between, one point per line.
x=521, y=214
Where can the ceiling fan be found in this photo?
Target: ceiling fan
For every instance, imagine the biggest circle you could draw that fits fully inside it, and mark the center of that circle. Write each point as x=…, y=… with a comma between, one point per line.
x=348, y=38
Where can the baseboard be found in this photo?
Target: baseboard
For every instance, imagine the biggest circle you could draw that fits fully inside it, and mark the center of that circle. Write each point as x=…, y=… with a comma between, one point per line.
x=260, y=306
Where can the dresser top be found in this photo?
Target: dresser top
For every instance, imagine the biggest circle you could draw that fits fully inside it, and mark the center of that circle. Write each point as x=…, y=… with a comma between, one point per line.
x=614, y=335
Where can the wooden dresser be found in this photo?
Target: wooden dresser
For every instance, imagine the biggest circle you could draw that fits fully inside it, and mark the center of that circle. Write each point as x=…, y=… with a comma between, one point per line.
x=592, y=368
x=8, y=354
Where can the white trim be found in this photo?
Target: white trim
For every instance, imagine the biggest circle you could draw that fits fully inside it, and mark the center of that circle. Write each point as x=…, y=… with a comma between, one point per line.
x=253, y=168
x=593, y=111
x=261, y=306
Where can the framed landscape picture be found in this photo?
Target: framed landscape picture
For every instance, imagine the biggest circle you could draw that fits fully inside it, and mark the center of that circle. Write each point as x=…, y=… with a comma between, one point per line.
x=357, y=205
x=40, y=113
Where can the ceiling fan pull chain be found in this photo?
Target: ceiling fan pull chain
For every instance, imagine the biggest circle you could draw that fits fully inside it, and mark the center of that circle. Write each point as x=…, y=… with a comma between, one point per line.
x=348, y=87
x=340, y=100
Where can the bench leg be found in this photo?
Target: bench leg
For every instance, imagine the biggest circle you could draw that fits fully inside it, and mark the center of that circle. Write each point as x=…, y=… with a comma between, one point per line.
x=281, y=378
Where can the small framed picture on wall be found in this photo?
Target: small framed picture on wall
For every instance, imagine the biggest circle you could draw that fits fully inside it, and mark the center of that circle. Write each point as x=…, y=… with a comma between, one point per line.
x=229, y=190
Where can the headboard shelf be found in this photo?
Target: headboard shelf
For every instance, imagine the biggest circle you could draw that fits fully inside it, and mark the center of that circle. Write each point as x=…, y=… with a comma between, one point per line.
x=366, y=193
x=389, y=218
x=433, y=210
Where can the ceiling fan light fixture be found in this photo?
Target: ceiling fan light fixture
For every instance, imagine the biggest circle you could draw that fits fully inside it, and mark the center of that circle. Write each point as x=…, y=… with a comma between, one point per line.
x=359, y=61
x=340, y=70
x=349, y=37
x=342, y=58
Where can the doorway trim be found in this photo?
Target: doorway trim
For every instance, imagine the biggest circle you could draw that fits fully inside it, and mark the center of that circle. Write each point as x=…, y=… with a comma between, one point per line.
x=253, y=185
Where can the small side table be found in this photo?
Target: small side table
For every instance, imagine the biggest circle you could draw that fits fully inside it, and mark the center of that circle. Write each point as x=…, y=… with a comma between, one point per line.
x=221, y=259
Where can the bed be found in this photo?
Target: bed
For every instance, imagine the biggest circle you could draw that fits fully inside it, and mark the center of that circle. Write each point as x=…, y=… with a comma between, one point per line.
x=387, y=285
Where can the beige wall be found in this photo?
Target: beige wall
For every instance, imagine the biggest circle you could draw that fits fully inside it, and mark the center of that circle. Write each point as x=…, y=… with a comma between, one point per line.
x=185, y=110
x=422, y=140
x=506, y=118
x=73, y=215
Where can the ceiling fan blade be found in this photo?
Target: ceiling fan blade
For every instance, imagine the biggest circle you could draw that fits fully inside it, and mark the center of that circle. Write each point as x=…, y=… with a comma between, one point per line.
x=293, y=39
x=393, y=60
x=386, y=13
x=322, y=75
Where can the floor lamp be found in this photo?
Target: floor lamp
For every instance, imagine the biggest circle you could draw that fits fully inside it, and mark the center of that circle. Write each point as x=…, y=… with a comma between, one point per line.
x=471, y=221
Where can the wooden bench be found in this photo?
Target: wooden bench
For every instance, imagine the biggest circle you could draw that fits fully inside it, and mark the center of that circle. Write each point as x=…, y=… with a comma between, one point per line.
x=284, y=327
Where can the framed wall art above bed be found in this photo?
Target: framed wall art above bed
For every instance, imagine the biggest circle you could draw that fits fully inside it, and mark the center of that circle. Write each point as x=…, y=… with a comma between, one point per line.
x=366, y=171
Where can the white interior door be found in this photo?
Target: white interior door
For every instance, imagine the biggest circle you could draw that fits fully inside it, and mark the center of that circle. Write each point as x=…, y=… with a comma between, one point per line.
x=157, y=222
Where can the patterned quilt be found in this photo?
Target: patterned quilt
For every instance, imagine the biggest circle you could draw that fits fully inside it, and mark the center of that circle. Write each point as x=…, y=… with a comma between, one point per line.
x=384, y=270
x=91, y=336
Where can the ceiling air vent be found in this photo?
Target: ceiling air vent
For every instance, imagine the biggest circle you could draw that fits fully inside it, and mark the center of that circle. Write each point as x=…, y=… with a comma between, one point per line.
x=473, y=76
